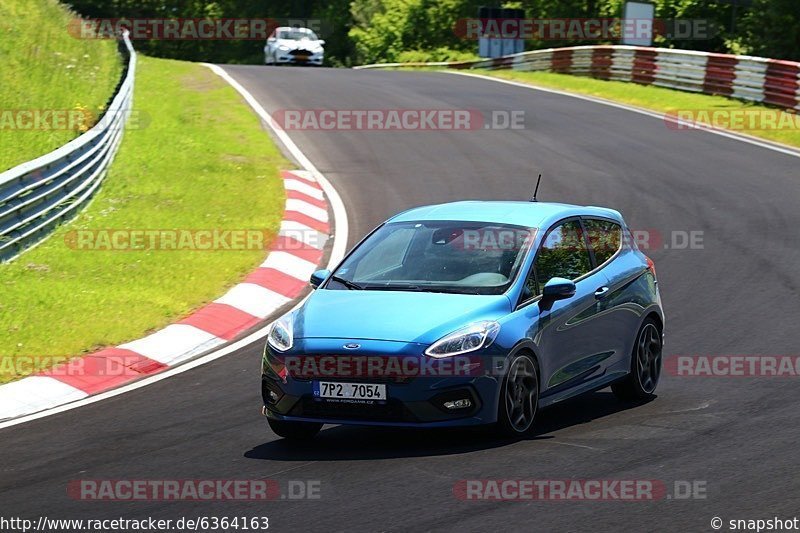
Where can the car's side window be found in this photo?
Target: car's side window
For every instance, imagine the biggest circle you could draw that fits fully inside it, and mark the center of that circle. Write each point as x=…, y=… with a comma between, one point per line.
x=563, y=253
x=605, y=238
x=531, y=287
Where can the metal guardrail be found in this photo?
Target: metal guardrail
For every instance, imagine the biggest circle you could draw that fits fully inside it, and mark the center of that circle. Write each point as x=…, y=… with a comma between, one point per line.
x=756, y=79
x=39, y=195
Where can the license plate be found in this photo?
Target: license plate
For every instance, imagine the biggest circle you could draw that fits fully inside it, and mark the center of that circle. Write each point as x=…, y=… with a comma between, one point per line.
x=351, y=391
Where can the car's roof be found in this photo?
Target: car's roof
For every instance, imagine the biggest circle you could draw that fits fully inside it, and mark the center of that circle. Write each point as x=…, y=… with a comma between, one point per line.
x=526, y=214
x=294, y=28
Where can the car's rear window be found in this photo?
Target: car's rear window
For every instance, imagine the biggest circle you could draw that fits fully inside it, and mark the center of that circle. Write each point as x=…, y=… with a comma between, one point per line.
x=604, y=236
x=297, y=35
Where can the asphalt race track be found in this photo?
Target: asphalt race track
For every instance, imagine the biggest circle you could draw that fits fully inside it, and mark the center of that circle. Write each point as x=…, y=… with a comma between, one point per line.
x=736, y=295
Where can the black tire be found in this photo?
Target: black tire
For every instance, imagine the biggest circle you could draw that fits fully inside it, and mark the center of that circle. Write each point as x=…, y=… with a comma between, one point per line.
x=294, y=430
x=519, y=397
x=646, y=362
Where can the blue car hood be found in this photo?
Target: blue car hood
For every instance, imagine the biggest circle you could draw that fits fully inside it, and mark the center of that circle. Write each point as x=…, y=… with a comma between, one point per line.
x=421, y=317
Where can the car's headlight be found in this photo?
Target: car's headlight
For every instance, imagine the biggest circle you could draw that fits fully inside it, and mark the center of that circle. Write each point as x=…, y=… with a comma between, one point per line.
x=281, y=335
x=283, y=48
x=473, y=337
x=272, y=366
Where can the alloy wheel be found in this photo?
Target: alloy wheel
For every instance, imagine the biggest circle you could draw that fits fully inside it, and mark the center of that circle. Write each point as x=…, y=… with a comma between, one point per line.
x=648, y=353
x=521, y=394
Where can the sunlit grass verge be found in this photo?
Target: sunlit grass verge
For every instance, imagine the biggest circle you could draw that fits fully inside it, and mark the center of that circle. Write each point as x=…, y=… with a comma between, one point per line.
x=202, y=162
x=787, y=125
x=45, y=68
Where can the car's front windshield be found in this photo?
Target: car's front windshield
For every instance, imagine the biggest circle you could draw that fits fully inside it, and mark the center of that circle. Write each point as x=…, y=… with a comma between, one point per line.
x=297, y=35
x=439, y=256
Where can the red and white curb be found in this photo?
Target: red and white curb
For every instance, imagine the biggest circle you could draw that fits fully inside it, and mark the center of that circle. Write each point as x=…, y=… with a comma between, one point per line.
x=282, y=277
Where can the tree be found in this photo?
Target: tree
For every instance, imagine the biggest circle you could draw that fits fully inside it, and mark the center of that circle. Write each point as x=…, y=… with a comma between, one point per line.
x=771, y=28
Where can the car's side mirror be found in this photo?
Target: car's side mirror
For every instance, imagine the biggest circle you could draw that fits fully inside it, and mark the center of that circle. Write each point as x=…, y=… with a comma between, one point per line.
x=271, y=40
x=318, y=277
x=321, y=41
x=558, y=289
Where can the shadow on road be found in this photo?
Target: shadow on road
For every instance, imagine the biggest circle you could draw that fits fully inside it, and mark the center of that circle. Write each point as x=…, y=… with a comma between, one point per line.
x=355, y=443
x=582, y=410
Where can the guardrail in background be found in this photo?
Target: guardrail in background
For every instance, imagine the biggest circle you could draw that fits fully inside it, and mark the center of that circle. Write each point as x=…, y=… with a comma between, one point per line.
x=37, y=196
x=757, y=79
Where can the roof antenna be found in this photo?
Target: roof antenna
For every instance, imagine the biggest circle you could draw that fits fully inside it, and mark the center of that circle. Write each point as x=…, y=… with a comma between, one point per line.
x=536, y=191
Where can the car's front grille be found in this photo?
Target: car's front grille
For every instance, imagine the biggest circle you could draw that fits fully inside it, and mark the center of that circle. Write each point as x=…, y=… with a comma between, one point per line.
x=304, y=53
x=389, y=411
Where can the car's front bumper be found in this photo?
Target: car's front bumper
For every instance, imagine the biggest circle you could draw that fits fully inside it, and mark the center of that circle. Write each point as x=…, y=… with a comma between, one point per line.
x=412, y=401
x=289, y=58
x=408, y=404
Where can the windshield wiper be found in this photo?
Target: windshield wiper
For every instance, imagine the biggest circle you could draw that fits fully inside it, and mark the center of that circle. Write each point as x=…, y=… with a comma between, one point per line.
x=395, y=287
x=347, y=283
x=420, y=288
x=452, y=290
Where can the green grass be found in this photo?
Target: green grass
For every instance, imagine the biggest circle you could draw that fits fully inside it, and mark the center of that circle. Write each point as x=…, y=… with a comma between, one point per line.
x=649, y=97
x=202, y=162
x=45, y=68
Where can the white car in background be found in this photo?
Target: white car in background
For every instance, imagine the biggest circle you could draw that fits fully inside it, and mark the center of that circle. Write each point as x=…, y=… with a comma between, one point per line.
x=293, y=45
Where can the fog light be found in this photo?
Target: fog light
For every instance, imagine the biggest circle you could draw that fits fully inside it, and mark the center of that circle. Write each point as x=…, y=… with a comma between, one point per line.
x=271, y=393
x=458, y=404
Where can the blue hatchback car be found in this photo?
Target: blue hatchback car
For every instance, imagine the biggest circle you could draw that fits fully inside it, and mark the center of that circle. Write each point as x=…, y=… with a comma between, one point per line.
x=468, y=313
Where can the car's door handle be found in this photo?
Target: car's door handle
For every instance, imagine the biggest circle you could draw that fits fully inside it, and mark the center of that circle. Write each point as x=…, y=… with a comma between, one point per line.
x=601, y=293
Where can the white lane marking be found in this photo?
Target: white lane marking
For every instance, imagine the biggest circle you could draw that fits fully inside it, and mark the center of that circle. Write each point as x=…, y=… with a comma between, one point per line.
x=704, y=405
x=290, y=264
x=174, y=343
x=338, y=251
x=253, y=299
x=336, y=204
x=574, y=445
x=279, y=472
x=730, y=135
x=225, y=350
